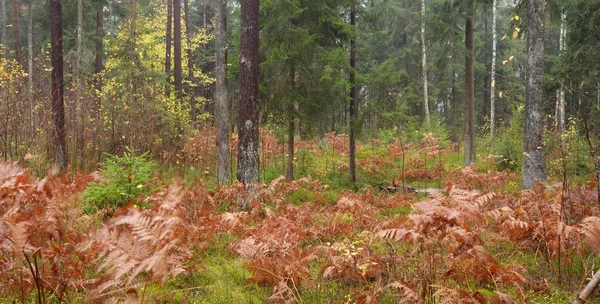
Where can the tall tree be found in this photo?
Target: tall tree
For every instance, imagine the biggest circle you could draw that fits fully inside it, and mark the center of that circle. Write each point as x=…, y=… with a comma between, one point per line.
x=493, y=73
x=353, y=93
x=99, y=47
x=561, y=91
x=3, y=30
x=291, y=123
x=190, y=63
x=168, y=47
x=30, y=67
x=248, y=160
x=424, y=67
x=58, y=110
x=469, y=85
x=534, y=165
x=15, y=25
x=177, y=48
x=221, y=96
x=79, y=106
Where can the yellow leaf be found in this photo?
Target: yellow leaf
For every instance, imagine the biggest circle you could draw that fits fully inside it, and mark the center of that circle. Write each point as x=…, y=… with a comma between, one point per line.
x=500, y=94
x=504, y=62
x=515, y=33
x=511, y=58
x=503, y=37
x=516, y=17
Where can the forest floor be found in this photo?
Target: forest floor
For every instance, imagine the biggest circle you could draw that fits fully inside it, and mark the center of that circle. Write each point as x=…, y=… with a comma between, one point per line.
x=472, y=235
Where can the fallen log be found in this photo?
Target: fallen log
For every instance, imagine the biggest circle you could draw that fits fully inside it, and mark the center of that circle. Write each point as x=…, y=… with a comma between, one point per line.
x=585, y=293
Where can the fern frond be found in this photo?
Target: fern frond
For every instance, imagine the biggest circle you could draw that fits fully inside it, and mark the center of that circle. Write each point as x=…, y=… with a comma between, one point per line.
x=405, y=293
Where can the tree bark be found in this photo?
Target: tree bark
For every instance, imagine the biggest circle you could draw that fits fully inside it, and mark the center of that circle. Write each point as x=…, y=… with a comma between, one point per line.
x=561, y=94
x=79, y=95
x=291, y=124
x=221, y=96
x=353, y=95
x=469, y=87
x=424, y=67
x=58, y=110
x=30, y=68
x=3, y=30
x=493, y=73
x=177, y=48
x=190, y=65
x=15, y=4
x=533, y=163
x=248, y=160
x=99, y=48
x=168, y=47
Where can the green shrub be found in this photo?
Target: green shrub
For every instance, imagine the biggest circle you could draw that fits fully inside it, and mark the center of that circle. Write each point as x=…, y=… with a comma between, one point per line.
x=125, y=179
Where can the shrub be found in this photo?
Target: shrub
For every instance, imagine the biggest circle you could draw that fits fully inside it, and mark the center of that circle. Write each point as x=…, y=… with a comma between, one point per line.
x=123, y=180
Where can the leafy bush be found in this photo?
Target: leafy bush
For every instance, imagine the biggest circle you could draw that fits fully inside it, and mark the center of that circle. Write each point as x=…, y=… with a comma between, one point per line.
x=123, y=180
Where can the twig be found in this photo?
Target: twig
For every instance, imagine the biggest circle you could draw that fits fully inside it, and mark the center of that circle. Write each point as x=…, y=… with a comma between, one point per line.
x=587, y=290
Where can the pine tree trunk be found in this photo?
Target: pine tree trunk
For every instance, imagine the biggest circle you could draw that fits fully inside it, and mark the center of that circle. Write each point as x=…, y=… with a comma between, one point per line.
x=221, y=96
x=248, y=160
x=15, y=4
x=168, y=47
x=353, y=95
x=469, y=87
x=177, y=48
x=424, y=67
x=561, y=95
x=4, y=51
x=99, y=48
x=79, y=96
x=190, y=65
x=493, y=74
x=291, y=125
x=30, y=68
x=58, y=110
x=534, y=166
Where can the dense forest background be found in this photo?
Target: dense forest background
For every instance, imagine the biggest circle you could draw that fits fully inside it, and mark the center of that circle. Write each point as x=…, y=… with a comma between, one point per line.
x=132, y=79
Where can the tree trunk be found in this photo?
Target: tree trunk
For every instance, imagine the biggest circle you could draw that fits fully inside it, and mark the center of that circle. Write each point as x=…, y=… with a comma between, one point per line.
x=353, y=95
x=177, y=48
x=469, y=87
x=190, y=65
x=79, y=95
x=291, y=124
x=30, y=67
x=424, y=67
x=221, y=98
x=4, y=51
x=99, y=48
x=493, y=74
x=248, y=160
x=58, y=110
x=168, y=47
x=561, y=95
x=15, y=4
x=534, y=166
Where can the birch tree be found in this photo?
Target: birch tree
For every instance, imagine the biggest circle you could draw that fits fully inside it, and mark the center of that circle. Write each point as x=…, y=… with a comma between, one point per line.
x=424, y=67
x=493, y=72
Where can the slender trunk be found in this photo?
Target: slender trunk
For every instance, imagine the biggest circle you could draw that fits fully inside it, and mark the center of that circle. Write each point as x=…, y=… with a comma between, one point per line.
x=30, y=67
x=353, y=95
x=469, y=87
x=190, y=65
x=58, y=110
x=110, y=15
x=493, y=74
x=291, y=125
x=534, y=166
x=79, y=96
x=204, y=14
x=15, y=4
x=561, y=94
x=221, y=96
x=424, y=67
x=168, y=47
x=4, y=51
x=177, y=48
x=99, y=48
